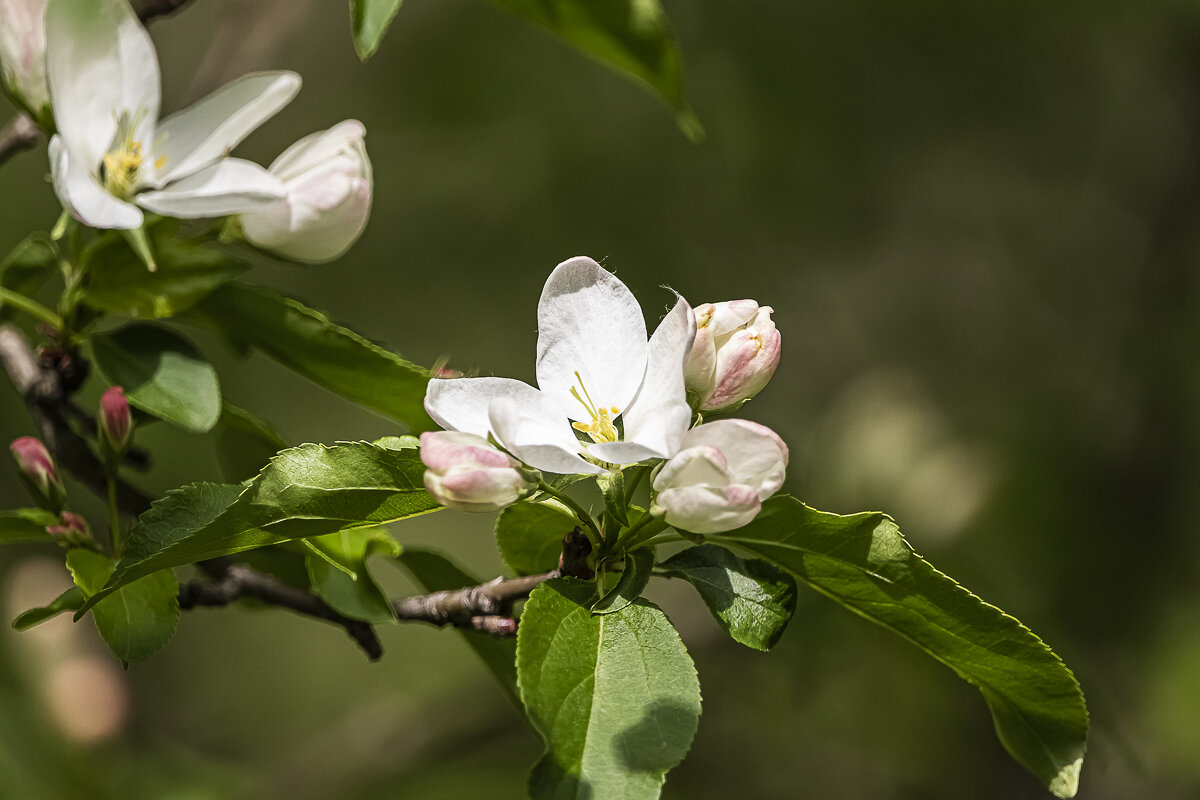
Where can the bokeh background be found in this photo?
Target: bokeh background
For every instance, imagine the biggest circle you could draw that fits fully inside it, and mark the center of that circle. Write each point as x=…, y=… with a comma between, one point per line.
x=977, y=224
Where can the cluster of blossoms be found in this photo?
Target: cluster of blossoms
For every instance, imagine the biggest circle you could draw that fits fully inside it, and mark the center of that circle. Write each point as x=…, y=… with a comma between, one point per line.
x=87, y=71
x=608, y=396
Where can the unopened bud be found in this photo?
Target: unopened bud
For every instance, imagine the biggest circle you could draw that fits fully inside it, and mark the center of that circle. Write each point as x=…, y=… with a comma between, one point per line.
x=23, y=56
x=468, y=473
x=734, y=354
x=115, y=423
x=72, y=530
x=37, y=470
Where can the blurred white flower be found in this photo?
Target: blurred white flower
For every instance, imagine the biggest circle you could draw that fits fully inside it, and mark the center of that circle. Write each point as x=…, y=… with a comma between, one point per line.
x=23, y=56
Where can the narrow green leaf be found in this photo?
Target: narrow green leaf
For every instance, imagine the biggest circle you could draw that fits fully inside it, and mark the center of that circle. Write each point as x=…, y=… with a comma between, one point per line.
x=309, y=490
x=118, y=281
x=26, y=525
x=863, y=563
x=639, y=565
x=753, y=600
x=70, y=600
x=436, y=573
x=244, y=443
x=530, y=535
x=162, y=374
x=307, y=342
x=359, y=597
x=369, y=21
x=26, y=268
x=136, y=620
x=615, y=696
x=631, y=36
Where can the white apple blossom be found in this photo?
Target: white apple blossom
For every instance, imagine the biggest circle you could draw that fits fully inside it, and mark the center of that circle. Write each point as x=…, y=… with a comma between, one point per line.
x=467, y=473
x=598, y=376
x=720, y=476
x=112, y=154
x=23, y=56
x=735, y=354
x=328, y=180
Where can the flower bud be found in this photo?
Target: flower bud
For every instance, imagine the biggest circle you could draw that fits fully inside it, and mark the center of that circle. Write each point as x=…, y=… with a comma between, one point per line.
x=328, y=181
x=734, y=354
x=467, y=473
x=115, y=423
x=720, y=476
x=23, y=56
x=37, y=470
x=72, y=530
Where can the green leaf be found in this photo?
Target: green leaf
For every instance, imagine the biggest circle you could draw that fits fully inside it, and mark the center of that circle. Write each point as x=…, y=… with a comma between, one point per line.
x=136, y=620
x=436, y=573
x=863, y=563
x=162, y=374
x=631, y=36
x=26, y=268
x=369, y=21
x=309, y=490
x=119, y=282
x=750, y=598
x=70, y=600
x=530, y=535
x=359, y=597
x=639, y=565
x=331, y=356
x=244, y=443
x=615, y=696
x=26, y=525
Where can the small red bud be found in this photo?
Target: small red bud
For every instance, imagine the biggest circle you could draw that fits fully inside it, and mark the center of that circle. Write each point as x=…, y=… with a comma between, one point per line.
x=37, y=467
x=116, y=422
x=72, y=529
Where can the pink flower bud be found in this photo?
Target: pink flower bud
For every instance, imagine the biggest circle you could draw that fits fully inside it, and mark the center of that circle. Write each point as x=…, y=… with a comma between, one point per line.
x=23, y=56
x=467, y=473
x=37, y=468
x=115, y=423
x=73, y=530
x=734, y=354
x=720, y=477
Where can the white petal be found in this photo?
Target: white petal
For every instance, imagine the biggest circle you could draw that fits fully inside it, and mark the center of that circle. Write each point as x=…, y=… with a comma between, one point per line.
x=697, y=466
x=622, y=452
x=659, y=415
x=539, y=437
x=84, y=197
x=317, y=148
x=730, y=315
x=230, y=186
x=589, y=322
x=100, y=62
x=461, y=404
x=709, y=509
x=755, y=454
x=207, y=130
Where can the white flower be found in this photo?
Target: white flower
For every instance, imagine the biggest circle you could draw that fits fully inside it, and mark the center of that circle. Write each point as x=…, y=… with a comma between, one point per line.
x=597, y=375
x=328, y=180
x=112, y=154
x=467, y=473
x=735, y=353
x=719, y=478
x=23, y=55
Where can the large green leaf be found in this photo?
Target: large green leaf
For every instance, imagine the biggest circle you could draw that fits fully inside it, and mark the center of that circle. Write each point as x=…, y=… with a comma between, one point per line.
x=25, y=525
x=70, y=600
x=118, y=281
x=162, y=374
x=136, y=620
x=631, y=36
x=530, y=535
x=309, y=490
x=436, y=573
x=369, y=21
x=863, y=562
x=307, y=342
x=357, y=595
x=615, y=696
x=750, y=598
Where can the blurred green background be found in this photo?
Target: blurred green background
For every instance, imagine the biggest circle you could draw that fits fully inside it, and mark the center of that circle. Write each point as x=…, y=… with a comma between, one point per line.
x=978, y=226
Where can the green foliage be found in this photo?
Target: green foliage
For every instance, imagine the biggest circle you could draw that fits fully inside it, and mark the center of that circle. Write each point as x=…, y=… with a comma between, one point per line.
x=306, y=491
x=162, y=374
x=119, y=282
x=750, y=598
x=369, y=21
x=863, y=563
x=70, y=600
x=615, y=696
x=530, y=535
x=26, y=525
x=306, y=341
x=436, y=573
x=354, y=595
x=27, y=267
x=136, y=620
x=639, y=566
x=244, y=443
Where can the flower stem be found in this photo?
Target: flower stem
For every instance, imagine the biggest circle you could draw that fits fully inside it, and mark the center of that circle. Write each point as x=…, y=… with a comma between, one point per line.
x=114, y=515
x=596, y=538
x=645, y=528
x=31, y=307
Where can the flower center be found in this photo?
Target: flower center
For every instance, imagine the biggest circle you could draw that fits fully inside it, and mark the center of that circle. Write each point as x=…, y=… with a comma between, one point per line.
x=601, y=428
x=120, y=166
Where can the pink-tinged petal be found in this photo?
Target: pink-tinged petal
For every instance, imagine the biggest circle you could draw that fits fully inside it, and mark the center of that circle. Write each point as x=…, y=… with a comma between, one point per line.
x=442, y=450
x=82, y=195
x=707, y=509
x=659, y=415
x=542, y=440
x=755, y=455
x=590, y=323
x=115, y=421
x=745, y=363
x=726, y=316
x=461, y=404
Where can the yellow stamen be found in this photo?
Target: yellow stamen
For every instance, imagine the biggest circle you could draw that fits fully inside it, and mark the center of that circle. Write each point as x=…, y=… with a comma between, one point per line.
x=601, y=428
x=121, y=165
